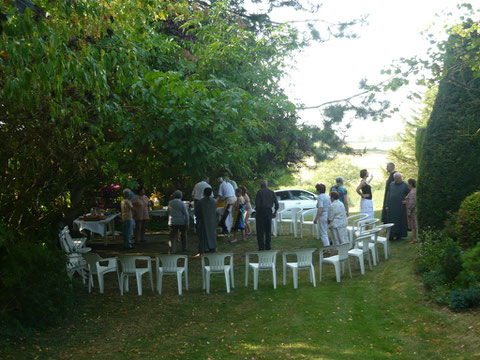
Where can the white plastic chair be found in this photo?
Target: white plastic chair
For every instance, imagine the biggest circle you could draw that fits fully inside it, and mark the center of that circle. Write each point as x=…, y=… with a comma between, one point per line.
x=129, y=268
x=281, y=207
x=216, y=265
x=304, y=261
x=76, y=264
x=336, y=260
x=266, y=261
x=372, y=245
x=95, y=267
x=362, y=226
x=384, y=241
x=72, y=245
x=168, y=265
x=354, y=219
x=289, y=217
x=307, y=214
x=361, y=252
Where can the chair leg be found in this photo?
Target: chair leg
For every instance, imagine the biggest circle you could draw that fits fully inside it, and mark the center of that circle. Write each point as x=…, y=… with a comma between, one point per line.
x=232, y=278
x=369, y=260
x=207, y=280
x=203, y=279
x=349, y=268
x=179, y=282
x=284, y=273
x=127, y=288
x=361, y=260
x=151, y=281
x=246, y=275
x=139, y=284
x=101, y=284
x=255, y=279
x=159, y=282
x=122, y=284
x=274, y=276
x=320, y=271
x=185, y=273
x=227, y=280
x=337, y=271
x=295, y=278
x=312, y=275
x=90, y=282
x=372, y=253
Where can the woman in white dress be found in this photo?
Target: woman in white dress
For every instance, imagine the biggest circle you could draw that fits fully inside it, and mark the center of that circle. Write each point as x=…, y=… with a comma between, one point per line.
x=365, y=191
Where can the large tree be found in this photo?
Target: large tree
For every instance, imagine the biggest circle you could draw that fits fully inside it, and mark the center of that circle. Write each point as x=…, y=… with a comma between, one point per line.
x=157, y=92
x=449, y=168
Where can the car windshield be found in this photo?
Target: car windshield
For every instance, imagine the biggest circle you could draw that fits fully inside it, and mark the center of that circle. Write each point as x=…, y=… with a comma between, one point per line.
x=302, y=195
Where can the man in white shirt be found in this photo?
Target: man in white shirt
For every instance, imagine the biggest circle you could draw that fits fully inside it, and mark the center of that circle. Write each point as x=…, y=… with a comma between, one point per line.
x=197, y=193
x=225, y=193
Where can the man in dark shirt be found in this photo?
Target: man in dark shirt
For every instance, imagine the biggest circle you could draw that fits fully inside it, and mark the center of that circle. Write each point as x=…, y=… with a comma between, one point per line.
x=264, y=202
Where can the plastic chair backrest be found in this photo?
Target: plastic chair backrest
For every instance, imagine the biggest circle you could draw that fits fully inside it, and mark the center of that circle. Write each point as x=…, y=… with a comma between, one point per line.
x=266, y=258
x=309, y=212
x=362, y=224
x=365, y=240
x=356, y=218
x=216, y=261
x=170, y=262
x=387, y=228
x=343, y=251
x=304, y=257
x=129, y=263
x=92, y=259
x=375, y=232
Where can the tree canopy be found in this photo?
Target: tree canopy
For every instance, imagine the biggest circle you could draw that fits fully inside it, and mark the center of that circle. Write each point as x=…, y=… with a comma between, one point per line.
x=152, y=92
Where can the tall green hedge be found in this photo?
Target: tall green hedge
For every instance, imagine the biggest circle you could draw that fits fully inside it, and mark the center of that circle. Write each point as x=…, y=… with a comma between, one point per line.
x=450, y=157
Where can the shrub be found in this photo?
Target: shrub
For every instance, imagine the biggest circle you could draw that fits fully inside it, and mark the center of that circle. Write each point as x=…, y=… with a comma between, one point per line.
x=450, y=259
x=450, y=227
x=464, y=299
x=469, y=221
x=433, y=279
x=36, y=290
x=428, y=254
x=471, y=261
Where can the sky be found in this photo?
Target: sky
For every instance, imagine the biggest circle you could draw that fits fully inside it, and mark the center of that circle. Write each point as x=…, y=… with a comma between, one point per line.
x=333, y=70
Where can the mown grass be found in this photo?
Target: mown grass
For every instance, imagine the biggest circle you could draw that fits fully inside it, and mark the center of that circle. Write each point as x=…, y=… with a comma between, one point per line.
x=380, y=315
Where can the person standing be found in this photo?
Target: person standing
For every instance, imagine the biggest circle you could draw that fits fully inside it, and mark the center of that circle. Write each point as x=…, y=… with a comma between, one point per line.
x=226, y=193
x=265, y=200
x=410, y=204
x=342, y=193
x=390, y=170
x=198, y=190
x=197, y=194
x=396, y=210
x=232, y=182
x=127, y=218
x=248, y=209
x=206, y=214
x=365, y=191
x=239, y=216
x=140, y=214
x=321, y=219
x=337, y=220
x=178, y=220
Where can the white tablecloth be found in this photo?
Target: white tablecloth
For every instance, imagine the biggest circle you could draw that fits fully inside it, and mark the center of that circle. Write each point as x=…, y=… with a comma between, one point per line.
x=97, y=227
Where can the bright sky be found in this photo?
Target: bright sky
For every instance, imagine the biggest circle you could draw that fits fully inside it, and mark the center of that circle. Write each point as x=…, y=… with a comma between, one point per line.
x=332, y=70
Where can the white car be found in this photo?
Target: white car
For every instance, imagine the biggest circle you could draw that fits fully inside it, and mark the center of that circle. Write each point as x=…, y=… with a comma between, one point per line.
x=295, y=198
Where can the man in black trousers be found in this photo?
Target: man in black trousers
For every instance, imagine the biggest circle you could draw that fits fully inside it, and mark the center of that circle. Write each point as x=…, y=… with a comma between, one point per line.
x=264, y=202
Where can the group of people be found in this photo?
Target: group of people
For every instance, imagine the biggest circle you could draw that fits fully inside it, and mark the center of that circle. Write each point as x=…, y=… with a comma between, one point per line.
x=399, y=206
x=134, y=208
x=332, y=211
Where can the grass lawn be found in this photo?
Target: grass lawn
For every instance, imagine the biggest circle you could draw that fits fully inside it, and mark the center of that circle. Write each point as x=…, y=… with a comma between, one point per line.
x=380, y=315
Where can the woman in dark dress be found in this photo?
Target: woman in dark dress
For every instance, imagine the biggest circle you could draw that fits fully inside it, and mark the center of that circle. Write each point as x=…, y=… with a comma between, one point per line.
x=365, y=191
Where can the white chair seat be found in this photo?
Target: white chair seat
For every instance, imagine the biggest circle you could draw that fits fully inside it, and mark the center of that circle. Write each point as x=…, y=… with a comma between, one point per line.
x=95, y=267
